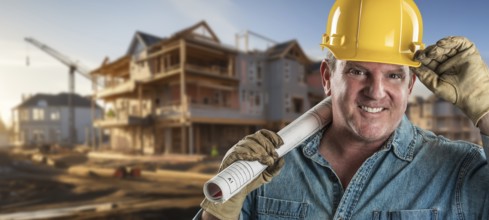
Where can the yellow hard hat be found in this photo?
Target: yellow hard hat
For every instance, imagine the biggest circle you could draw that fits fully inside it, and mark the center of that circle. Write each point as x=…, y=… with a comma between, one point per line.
x=383, y=31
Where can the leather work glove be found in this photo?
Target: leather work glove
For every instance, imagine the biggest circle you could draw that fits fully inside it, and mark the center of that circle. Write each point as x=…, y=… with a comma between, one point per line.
x=454, y=70
x=259, y=146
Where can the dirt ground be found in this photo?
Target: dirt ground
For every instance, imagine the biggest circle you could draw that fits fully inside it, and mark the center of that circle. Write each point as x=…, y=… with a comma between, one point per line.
x=35, y=190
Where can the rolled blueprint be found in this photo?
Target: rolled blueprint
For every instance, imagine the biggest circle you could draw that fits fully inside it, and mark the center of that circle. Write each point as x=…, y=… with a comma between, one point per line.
x=231, y=180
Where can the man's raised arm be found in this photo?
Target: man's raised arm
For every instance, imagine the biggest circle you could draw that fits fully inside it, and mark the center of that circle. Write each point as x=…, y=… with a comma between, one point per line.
x=454, y=70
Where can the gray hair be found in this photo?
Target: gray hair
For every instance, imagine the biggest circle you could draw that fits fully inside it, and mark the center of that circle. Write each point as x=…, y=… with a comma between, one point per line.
x=331, y=61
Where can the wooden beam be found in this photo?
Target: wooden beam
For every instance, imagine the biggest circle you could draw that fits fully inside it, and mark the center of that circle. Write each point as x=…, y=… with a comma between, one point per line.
x=191, y=147
x=183, y=138
x=161, y=52
x=183, y=96
x=207, y=49
x=209, y=84
x=197, y=140
x=231, y=65
x=109, y=68
x=140, y=100
x=230, y=121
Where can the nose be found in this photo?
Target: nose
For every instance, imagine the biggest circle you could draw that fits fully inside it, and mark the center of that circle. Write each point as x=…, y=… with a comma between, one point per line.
x=375, y=88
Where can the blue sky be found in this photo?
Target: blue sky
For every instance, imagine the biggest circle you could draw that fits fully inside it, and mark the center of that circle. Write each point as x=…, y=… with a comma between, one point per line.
x=90, y=30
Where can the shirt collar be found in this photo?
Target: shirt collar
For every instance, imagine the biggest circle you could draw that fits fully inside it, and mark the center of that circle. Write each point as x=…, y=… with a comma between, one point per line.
x=310, y=147
x=403, y=141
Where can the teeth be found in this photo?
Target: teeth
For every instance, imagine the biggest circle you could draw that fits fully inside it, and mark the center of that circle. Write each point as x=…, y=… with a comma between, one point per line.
x=371, y=110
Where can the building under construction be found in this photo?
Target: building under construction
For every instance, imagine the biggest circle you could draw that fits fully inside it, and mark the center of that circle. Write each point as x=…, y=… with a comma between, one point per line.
x=189, y=93
x=442, y=118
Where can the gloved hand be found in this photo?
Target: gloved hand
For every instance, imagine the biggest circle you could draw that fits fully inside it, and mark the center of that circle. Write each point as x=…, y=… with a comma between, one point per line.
x=454, y=70
x=259, y=146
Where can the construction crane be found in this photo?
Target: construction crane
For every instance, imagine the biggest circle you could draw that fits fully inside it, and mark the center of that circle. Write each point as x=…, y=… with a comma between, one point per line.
x=73, y=67
x=246, y=36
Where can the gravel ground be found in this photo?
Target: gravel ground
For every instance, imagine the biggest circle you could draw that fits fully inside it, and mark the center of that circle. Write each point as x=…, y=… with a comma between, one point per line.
x=28, y=188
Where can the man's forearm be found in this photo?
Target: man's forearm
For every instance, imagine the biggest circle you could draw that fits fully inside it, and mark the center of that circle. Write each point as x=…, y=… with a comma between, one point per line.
x=208, y=216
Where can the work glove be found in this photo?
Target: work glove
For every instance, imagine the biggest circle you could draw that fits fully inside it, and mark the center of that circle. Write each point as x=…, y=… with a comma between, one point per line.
x=259, y=146
x=454, y=70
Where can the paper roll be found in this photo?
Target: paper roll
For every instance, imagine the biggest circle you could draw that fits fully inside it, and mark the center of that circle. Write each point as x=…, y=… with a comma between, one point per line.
x=231, y=180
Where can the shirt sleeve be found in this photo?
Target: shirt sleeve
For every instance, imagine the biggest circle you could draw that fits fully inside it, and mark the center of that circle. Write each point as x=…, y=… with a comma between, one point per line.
x=246, y=211
x=485, y=145
x=474, y=200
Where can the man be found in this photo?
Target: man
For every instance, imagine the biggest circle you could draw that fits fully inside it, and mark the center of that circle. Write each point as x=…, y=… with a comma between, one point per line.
x=371, y=162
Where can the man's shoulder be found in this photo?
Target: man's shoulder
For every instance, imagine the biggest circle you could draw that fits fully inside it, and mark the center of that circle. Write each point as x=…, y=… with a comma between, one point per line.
x=430, y=136
x=435, y=143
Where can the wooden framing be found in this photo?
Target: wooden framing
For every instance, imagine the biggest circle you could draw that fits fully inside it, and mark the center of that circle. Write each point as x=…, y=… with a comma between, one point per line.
x=183, y=132
x=228, y=121
x=109, y=68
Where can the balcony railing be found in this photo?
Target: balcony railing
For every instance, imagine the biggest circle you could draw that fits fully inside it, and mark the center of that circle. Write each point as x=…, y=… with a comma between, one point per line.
x=213, y=70
x=169, y=110
x=167, y=69
x=123, y=120
x=175, y=109
x=111, y=83
x=121, y=88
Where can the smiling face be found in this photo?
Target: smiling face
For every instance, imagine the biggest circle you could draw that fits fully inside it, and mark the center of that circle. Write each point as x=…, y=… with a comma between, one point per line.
x=369, y=99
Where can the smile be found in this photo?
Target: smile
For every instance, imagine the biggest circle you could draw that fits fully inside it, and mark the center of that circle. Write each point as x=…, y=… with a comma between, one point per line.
x=371, y=110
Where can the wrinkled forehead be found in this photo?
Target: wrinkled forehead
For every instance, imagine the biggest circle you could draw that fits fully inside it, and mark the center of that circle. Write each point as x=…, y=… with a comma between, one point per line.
x=372, y=66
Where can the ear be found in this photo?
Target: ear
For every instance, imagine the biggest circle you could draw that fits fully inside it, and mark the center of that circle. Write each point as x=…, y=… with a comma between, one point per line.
x=325, y=77
x=411, y=82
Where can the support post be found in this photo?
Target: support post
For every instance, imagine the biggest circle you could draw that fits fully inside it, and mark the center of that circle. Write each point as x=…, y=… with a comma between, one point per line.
x=71, y=114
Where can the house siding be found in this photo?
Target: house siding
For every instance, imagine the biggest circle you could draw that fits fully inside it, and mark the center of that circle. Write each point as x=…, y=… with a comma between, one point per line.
x=28, y=131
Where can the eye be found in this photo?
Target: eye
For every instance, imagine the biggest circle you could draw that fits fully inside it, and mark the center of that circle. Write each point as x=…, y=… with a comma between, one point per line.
x=356, y=72
x=396, y=76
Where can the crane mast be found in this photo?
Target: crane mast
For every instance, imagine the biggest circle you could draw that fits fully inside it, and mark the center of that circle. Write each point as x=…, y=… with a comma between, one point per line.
x=73, y=67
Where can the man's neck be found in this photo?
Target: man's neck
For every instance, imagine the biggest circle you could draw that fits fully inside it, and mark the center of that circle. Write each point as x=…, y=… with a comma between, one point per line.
x=346, y=153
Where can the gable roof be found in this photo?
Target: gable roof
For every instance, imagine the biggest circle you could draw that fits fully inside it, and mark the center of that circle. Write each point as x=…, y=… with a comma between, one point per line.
x=148, y=39
x=284, y=49
x=279, y=49
x=201, y=25
x=59, y=100
x=192, y=32
x=145, y=39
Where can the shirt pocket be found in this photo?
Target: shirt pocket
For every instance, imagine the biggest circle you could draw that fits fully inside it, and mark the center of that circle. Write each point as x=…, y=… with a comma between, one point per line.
x=270, y=209
x=421, y=214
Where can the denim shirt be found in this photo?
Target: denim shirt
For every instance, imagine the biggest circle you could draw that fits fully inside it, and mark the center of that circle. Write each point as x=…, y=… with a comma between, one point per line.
x=415, y=175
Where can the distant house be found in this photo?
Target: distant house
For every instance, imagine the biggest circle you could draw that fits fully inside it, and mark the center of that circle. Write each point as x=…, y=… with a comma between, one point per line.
x=273, y=83
x=44, y=119
x=442, y=118
x=315, y=89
